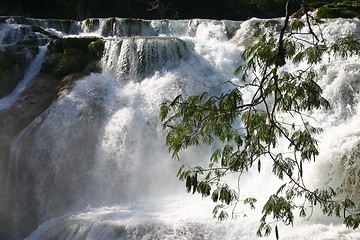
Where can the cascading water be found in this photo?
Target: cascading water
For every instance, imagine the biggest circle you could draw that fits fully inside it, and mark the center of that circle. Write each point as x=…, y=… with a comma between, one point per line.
x=33, y=69
x=94, y=165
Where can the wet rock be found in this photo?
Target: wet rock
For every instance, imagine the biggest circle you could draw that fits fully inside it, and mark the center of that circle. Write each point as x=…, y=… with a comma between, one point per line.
x=14, y=61
x=70, y=61
x=70, y=55
x=350, y=186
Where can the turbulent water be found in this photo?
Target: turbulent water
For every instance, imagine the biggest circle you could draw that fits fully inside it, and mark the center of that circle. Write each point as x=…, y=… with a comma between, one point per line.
x=94, y=165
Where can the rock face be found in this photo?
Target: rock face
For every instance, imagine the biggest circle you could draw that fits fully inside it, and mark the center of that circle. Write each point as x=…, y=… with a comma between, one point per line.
x=14, y=61
x=67, y=61
x=31, y=104
x=351, y=172
x=70, y=55
x=71, y=59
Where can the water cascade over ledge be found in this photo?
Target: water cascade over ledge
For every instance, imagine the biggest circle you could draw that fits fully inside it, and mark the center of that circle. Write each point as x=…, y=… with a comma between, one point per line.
x=93, y=163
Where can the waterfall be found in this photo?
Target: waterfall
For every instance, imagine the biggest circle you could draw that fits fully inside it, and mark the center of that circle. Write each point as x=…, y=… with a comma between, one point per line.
x=32, y=70
x=94, y=165
x=136, y=57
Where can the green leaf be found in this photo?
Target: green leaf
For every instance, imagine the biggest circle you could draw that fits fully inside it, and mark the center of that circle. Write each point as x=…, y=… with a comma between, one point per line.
x=194, y=183
x=251, y=202
x=188, y=183
x=223, y=216
x=302, y=212
x=176, y=100
x=238, y=70
x=297, y=25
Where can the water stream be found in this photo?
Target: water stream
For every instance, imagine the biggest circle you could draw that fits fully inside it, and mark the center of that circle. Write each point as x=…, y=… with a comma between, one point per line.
x=94, y=165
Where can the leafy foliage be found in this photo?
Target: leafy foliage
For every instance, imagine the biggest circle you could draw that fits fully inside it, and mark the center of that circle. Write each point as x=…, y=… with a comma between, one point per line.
x=345, y=9
x=206, y=119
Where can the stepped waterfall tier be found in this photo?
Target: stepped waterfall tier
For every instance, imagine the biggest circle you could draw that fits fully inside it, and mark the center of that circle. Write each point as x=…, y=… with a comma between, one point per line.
x=83, y=152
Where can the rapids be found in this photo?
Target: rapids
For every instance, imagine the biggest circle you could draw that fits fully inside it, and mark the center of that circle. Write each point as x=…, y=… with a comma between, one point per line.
x=94, y=165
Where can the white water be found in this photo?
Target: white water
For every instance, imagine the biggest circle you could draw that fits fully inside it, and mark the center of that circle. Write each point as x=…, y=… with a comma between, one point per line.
x=30, y=73
x=97, y=158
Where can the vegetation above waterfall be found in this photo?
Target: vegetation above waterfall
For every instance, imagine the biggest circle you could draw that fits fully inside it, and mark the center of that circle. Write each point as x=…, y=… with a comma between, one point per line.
x=345, y=9
x=174, y=9
x=250, y=130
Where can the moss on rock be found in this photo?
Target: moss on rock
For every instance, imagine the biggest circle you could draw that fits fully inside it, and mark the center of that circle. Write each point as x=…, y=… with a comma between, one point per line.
x=92, y=23
x=70, y=55
x=61, y=65
x=111, y=21
x=97, y=47
x=31, y=40
x=37, y=29
x=62, y=44
x=345, y=9
x=35, y=36
x=317, y=4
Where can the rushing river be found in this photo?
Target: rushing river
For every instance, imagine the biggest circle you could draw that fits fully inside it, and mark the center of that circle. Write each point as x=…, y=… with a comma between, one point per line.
x=94, y=165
